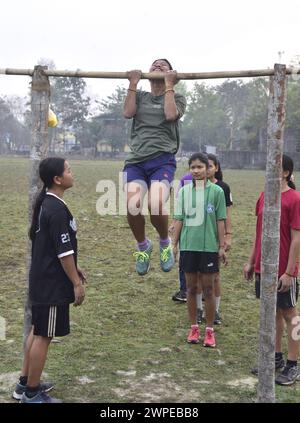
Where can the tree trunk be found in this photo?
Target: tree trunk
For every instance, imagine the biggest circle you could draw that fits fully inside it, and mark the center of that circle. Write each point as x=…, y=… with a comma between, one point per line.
x=271, y=235
x=40, y=94
x=231, y=137
x=261, y=144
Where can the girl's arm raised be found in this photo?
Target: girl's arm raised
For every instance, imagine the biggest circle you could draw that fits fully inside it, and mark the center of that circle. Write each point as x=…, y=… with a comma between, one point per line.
x=130, y=101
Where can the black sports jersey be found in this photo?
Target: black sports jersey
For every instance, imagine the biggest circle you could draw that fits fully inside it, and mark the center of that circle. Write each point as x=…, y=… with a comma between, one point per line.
x=55, y=237
x=227, y=193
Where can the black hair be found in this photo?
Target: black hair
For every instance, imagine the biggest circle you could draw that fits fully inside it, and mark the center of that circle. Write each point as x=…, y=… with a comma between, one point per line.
x=48, y=169
x=165, y=61
x=199, y=156
x=288, y=165
x=219, y=173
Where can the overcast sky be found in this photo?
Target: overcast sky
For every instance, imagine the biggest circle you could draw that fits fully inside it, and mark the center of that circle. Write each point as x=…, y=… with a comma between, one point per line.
x=119, y=35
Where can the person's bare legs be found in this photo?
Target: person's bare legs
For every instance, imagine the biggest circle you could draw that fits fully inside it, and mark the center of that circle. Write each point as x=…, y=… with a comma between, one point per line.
x=137, y=226
x=279, y=330
x=208, y=292
x=135, y=195
x=199, y=299
x=199, y=288
x=290, y=373
x=37, y=358
x=158, y=196
x=28, y=345
x=293, y=344
x=217, y=290
x=191, y=285
x=217, y=285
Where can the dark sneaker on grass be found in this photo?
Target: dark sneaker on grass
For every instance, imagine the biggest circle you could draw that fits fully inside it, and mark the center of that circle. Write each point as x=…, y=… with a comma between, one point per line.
x=40, y=398
x=200, y=318
x=179, y=296
x=20, y=389
x=142, y=258
x=218, y=319
x=254, y=371
x=279, y=365
x=288, y=376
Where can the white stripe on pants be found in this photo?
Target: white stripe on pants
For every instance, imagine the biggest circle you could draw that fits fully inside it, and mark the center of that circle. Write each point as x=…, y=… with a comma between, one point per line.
x=293, y=292
x=52, y=321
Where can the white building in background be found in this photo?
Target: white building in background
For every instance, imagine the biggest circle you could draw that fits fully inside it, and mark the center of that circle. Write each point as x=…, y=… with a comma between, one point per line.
x=210, y=149
x=65, y=143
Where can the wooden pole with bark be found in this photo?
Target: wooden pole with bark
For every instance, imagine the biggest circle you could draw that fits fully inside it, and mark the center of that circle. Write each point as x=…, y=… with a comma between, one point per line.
x=40, y=96
x=271, y=236
x=153, y=75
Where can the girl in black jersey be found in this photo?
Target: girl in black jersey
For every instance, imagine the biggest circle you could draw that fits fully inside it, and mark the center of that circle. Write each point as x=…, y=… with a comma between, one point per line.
x=55, y=281
x=215, y=175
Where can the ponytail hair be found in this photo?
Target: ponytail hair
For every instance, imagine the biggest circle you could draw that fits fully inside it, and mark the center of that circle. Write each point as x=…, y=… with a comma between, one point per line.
x=48, y=169
x=36, y=212
x=219, y=173
x=288, y=166
x=291, y=184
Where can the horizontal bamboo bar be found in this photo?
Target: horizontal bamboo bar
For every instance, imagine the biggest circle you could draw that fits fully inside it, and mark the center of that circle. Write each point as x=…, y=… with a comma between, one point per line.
x=153, y=75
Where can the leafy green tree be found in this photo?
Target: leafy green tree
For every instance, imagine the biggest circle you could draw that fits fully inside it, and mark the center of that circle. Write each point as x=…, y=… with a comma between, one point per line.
x=114, y=128
x=14, y=135
x=205, y=121
x=255, y=121
x=233, y=97
x=92, y=133
x=293, y=111
x=181, y=88
x=71, y=104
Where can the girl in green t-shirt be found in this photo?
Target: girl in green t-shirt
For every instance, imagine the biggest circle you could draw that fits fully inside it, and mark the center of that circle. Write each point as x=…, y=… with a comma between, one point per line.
x=199, y=224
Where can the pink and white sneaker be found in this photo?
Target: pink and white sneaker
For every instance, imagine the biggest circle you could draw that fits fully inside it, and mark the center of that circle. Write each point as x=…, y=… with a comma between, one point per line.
x=209, y=338
x=194, y=335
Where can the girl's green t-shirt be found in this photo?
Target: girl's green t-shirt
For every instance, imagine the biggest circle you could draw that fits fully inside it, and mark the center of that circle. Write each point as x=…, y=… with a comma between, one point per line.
x=200, y=208
x=151, y=134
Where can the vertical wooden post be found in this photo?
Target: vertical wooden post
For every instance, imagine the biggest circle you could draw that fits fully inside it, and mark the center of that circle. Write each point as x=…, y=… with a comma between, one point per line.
x=40, y=95
x=271, y=235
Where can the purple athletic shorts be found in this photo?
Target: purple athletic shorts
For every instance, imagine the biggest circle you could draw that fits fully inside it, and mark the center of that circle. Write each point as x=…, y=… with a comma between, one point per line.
x=161, y=168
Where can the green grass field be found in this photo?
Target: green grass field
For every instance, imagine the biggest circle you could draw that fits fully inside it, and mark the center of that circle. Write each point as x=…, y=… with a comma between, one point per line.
x=128, y=340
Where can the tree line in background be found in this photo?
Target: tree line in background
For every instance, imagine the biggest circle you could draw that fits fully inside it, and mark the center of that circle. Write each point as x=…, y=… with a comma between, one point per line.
x=230, y=116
